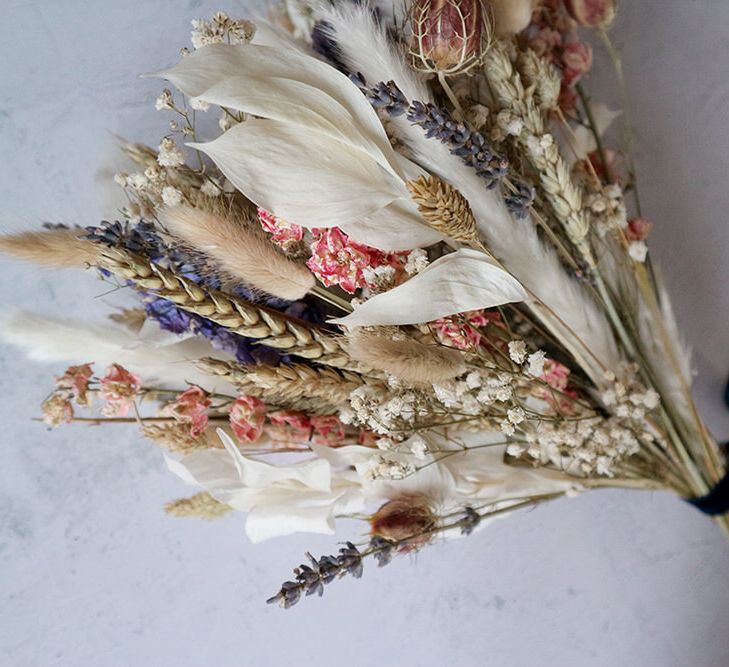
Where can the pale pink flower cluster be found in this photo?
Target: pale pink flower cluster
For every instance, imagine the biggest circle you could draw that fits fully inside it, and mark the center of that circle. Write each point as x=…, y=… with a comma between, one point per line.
x=284, y=234
x=461, y=331
x=76, y=380
x=337, y=260
x=247, y=415
x=57, y=409
x=638, y=229
x=297, y=428
x=191, y=407
x=118, y=388
x=557, y=375
x=553, y=36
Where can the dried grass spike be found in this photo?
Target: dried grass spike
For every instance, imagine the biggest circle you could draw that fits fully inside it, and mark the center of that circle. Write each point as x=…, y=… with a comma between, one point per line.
x=200, y=506
x=407, y=360
x=444, y=208
x=54, y=247
x=241, y=251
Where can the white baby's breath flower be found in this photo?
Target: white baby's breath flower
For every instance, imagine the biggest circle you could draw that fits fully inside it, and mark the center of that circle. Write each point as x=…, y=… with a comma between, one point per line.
x=507, y=428
x=170, y=154
x=417, y=261
x=120, y=178
x=171, y=196
x=418, y=447
x=536, y=363
x=517, y=351
x=638, y=251
x=164, y=101
x=198, y=104
x=516, y=415
x=651, y=399
x=210, y=188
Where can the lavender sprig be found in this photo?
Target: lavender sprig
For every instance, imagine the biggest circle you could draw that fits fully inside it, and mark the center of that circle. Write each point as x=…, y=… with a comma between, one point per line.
x=518, y=202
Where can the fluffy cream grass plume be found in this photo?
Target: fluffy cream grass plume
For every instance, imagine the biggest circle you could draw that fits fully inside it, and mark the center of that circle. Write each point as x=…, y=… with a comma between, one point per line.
x=53, y=247
x=167, y=365
x=560, y=302
x=240, y=251
x=407, y=360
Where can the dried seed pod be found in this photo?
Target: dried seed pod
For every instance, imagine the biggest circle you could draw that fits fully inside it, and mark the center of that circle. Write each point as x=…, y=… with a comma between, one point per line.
x=408, y=516
x=448, y=36
x=592, y=13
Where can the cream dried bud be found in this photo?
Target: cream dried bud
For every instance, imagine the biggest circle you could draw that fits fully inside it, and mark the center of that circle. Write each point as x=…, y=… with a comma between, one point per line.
x=592, y=13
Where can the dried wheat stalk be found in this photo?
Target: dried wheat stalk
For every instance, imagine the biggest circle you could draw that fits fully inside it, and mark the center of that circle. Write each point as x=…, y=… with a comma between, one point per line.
x=444, y=208
x=288, y=383
x=563, y=195
x=269, y=327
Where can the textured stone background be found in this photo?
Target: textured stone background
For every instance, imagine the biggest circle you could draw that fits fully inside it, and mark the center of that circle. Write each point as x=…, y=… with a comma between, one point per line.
x=93, y=572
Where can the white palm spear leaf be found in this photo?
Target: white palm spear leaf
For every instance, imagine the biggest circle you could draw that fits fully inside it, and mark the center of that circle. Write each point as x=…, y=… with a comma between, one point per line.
x=560, y=302
x=318, y=156
x=165, y=360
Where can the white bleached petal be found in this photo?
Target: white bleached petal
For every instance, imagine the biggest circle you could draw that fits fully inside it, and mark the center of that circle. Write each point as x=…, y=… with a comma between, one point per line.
x=462, y=281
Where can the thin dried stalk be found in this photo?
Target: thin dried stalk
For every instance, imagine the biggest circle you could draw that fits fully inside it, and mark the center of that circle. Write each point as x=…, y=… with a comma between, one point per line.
x=53, y=247
x=288, y=383
x=269, y=327
x=200, y=506
x=444, y=208
x=563, y=195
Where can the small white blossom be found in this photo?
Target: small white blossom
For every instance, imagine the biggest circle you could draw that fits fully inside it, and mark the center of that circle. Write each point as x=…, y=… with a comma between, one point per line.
x=198, y=104
x=517, y=351
x=164, y=101
x=536, y=363
x=418, y=447
x=638, y=251
x=171, y=196
x=516, y=415
x=417, y=261
x=210, y=189
x=507, y=428
x=170, y=154
x=651, y=399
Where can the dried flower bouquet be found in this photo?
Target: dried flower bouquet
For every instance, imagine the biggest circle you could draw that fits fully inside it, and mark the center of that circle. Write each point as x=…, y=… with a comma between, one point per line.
x=401, y=285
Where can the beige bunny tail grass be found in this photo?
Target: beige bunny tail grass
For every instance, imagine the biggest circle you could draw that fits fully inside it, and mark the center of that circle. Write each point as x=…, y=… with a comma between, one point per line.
x=240, y=250
x=407, y=360
x=53, y=247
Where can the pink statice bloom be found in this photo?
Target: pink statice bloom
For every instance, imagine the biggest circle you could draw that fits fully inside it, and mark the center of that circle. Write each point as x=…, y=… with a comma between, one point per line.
x=283, y=233
x=638, y=229
x=337, y=260
x=557, y=375
x=328, y=430
x=118, y=388
x=76, y=379
x=289, y=427
x=461, y=331
x=191, y=407
x=247, y=415
x=577, y=61
x=57, y=409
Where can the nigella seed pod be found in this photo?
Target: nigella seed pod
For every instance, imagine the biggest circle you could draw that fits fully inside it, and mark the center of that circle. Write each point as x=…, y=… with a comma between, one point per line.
x=591, y=13
x=407, y=520
x=448, y=36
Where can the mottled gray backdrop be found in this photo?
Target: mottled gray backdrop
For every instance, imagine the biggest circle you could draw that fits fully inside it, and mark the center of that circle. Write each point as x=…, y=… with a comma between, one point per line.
x=93, y=573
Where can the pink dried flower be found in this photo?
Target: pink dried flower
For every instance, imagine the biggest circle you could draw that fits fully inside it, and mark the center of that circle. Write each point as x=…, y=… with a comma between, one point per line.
x=577, y=61
x=557, y=375
x=191, y=407
x=461, y=331
x=247, y=415
x=76, y=378
x=289, y=426
x=638, y=229
x=118, y=388
x=283, y=233
x=328, y=430
x=591, y=13
x=337, y=260
x=57, y=409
